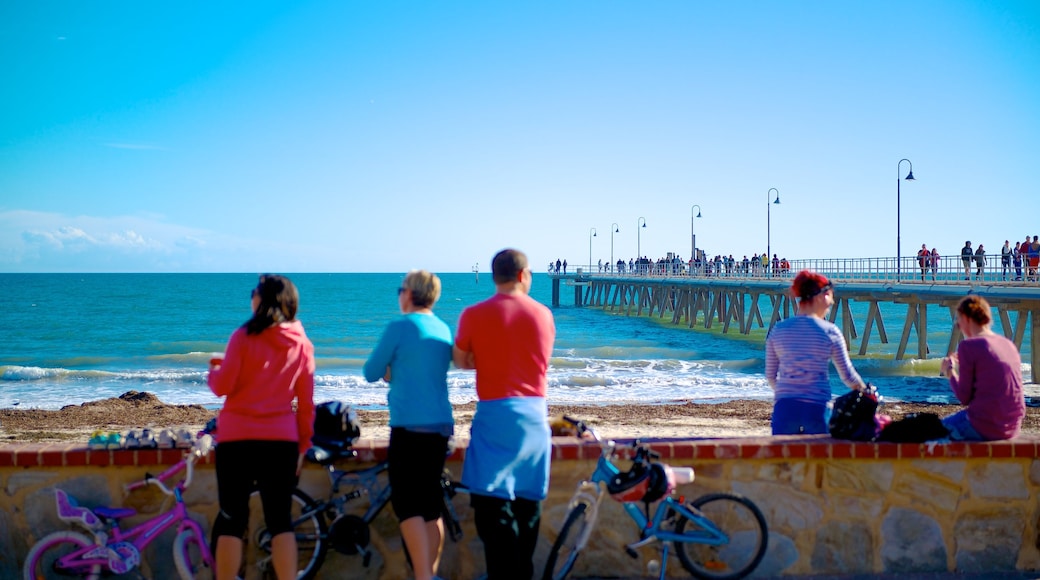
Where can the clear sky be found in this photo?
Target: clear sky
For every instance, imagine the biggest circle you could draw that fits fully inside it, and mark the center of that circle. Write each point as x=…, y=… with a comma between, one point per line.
x=349, y=136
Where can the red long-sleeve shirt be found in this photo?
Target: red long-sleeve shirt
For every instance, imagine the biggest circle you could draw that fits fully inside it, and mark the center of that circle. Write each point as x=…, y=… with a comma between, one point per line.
x=261, y=376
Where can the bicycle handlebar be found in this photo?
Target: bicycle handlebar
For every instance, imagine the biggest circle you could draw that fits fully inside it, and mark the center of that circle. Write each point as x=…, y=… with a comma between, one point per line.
x=201, y=447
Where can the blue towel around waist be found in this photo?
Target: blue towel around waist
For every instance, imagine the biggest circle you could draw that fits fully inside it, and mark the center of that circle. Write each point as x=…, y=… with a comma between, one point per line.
x=510, y=449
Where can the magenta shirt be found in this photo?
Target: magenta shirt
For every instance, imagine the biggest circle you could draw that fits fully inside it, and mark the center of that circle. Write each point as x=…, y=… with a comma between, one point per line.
x=990, y=384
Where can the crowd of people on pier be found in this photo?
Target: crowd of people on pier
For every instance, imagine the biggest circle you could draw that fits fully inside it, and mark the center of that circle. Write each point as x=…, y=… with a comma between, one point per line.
x=673, y=265
x=1018, y=263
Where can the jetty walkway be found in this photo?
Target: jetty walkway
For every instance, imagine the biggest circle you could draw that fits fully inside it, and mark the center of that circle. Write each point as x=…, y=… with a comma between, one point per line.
x=743, y=300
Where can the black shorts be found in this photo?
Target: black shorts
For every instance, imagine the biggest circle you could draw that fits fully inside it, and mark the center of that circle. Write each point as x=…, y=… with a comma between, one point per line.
x=244, y=466
x=416, y=463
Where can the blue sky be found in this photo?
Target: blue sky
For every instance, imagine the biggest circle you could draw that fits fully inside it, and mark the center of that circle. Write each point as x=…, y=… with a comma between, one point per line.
x=382, y=136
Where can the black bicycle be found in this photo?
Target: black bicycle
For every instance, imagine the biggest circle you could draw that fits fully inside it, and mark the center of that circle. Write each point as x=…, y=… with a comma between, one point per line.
x=331, y=522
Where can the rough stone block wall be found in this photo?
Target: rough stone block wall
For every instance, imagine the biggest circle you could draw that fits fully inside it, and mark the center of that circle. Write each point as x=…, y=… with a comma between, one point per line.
x=831, y=506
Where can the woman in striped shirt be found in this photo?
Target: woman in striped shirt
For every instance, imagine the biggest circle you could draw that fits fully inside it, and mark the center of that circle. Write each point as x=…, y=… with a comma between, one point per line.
x=799, y=351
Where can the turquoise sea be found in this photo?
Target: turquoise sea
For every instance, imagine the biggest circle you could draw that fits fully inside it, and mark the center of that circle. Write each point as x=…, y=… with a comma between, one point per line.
x=71, y=338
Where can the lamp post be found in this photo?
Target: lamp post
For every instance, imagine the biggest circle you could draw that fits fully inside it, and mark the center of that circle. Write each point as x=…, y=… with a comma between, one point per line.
x=613, y=230
x=899, y=246
x=641, y=222
x=693, y=237
x=592, y=234
x=769, y=248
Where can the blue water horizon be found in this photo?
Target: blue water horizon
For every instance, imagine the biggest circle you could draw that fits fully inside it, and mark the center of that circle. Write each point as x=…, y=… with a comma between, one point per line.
x=74, y=338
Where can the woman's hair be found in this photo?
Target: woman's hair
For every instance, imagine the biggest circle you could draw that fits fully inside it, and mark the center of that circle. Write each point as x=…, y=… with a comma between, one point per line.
x=278, y=302
x=976, y=309
x=807, y=285
x=425, y=287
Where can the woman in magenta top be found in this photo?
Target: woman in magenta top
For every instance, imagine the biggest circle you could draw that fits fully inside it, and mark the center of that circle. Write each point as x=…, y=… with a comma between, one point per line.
x=986, y=375
x=268, y=365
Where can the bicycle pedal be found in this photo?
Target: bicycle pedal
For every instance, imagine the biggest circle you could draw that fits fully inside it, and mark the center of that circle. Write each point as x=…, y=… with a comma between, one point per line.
x=631, y=553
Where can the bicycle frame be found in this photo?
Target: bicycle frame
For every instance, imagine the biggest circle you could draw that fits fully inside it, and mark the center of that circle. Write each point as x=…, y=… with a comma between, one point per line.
x=591, y=492
x=120, y=551
x=368, y=484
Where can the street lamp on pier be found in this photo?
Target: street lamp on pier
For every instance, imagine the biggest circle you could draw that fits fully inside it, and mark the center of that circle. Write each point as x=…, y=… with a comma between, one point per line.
x=641, y=222
x=899, y=246
x=613, y=230
x=592, y=234
x=693, y=237
x=769, y=248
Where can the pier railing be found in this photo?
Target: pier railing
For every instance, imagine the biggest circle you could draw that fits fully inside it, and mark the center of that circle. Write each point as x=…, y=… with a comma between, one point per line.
x=950, y=269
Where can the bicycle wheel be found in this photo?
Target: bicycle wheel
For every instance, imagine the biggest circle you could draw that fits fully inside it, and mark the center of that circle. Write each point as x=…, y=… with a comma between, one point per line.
x=565, y=550
x=41, y=561
x=742, y=524
x=187, y=555
x=311, y=533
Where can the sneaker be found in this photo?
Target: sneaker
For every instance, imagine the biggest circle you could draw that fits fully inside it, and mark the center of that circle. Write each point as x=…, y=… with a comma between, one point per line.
x=184, y=439
x=131, y=440
x=147, y=440
x=167, y=439
x=98, y=440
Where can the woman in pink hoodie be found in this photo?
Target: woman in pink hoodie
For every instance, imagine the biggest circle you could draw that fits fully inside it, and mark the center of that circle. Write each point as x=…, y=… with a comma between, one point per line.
x=268, y=364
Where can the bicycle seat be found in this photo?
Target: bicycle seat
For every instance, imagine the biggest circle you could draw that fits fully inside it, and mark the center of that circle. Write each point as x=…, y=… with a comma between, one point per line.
x=325, y=456
x=69, y=511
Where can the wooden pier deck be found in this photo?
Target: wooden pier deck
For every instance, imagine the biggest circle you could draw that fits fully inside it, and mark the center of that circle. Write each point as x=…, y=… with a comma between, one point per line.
x=743, y=304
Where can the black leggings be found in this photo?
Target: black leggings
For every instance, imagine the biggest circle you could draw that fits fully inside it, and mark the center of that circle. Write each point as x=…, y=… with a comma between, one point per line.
x=266, y=466
x=509, y=531
x=416, y=462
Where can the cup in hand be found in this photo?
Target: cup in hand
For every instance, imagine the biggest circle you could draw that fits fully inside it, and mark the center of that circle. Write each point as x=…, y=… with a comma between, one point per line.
x=216, y=359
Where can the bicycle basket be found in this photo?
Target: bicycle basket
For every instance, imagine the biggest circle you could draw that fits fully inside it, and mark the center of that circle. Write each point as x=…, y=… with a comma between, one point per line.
x=642, y=483
x=335, y=425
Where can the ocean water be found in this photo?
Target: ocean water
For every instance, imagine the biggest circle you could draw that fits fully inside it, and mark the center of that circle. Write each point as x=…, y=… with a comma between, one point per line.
x=72, y=338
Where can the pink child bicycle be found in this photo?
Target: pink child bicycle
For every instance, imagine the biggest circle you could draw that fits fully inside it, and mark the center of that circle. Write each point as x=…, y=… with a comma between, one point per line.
x=111, y=550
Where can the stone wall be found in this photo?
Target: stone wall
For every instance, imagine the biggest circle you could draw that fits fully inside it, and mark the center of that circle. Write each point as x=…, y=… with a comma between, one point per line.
x=831, y=506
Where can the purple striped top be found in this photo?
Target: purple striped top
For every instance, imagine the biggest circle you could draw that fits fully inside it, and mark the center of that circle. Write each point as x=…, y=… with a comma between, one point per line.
x=798, y=354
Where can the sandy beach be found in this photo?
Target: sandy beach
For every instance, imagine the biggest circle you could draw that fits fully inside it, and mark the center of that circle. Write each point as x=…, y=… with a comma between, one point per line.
x=135, y=410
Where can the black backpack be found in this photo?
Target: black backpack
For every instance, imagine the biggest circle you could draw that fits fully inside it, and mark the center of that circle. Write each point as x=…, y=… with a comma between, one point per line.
x=915, y=428
x=336, y=425
x=854, y=416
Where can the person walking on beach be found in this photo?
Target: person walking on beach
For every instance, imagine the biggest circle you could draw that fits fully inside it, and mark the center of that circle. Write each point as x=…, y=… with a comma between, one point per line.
x=980, y=261
x=413, y=356
x=966, y=257
x=986, y=375
x=268, y=364
x=798, y=353
x=508, y=339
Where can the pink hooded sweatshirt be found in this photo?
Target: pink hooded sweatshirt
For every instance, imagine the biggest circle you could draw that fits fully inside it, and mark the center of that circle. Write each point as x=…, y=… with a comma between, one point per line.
x=260, y=376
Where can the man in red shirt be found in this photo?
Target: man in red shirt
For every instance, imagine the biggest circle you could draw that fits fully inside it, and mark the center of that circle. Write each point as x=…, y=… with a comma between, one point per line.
x=508, y=339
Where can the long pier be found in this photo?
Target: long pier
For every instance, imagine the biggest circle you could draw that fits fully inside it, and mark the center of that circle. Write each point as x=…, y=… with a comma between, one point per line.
x=743, y=303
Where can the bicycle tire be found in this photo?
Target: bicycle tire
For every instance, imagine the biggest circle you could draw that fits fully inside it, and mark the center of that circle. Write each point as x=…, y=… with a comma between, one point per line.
x=741, y=520
x=311, y=537
x=39, y=562
x=557, y=567
x=187, y=555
